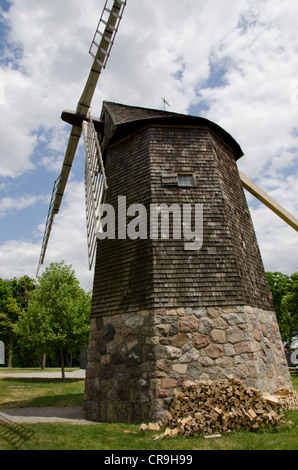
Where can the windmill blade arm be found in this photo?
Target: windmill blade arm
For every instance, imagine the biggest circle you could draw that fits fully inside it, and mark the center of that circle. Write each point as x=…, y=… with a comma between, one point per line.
x=76, y=119
x=100, y=49
x=49, y=223
x=67, y=164
x=253, y=189
x=59, y=188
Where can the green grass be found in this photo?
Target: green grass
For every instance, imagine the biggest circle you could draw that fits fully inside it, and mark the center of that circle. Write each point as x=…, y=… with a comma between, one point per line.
x=24, y=393
x=295, y=382
x=103, y=436
x=114, y=437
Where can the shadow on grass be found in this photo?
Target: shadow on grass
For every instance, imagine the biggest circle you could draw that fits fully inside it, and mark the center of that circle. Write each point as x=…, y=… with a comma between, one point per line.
x=39, y=392
x=15, y=434
x=70, y=400
x=40, y=380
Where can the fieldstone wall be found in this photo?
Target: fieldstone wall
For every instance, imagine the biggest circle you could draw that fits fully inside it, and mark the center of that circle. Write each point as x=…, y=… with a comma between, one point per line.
x=135, y=361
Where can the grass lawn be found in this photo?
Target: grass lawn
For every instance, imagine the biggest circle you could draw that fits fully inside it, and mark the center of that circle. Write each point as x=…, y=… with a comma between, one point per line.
x=21, y=392
x=37, y=392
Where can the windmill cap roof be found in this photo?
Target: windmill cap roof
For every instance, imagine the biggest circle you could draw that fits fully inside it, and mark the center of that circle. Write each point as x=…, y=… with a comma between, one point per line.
x=122, y=115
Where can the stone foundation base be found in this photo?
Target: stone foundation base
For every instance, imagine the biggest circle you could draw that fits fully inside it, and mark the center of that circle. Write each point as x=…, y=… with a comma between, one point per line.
x=135, y=361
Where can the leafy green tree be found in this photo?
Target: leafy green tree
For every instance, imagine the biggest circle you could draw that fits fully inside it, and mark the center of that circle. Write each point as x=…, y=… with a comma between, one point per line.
x=14, y=296
x=57, y=318
x=22, y=289
x=289, y=305
x=284, y=290
x=9, y=314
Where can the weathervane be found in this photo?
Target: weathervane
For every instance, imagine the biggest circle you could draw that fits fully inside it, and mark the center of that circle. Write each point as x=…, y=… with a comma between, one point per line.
x=165, y=102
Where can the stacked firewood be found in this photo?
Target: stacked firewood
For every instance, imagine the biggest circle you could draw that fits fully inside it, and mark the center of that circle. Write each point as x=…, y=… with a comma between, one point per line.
x=220, y=407
x=288, y=398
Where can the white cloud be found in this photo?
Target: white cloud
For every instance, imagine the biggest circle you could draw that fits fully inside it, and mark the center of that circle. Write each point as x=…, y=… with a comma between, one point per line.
x=278, y=247
x=10, y=204
x=255, y=102
x=17, y=258
x=52, y=164
x=68, y=241
x=164, y=50
x=46, y=80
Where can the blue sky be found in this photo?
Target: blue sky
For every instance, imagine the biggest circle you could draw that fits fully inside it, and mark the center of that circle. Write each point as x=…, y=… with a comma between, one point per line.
x=234, y=63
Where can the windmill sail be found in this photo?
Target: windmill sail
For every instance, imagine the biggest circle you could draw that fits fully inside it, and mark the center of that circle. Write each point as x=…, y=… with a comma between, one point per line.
x=110, y=17
x=49, y=222
x=95, y=186
x=100, y=50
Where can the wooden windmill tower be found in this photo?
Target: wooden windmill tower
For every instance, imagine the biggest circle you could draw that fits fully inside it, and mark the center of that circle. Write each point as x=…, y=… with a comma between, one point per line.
x=166, y=307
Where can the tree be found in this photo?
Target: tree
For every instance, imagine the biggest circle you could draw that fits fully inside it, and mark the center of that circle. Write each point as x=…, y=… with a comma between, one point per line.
x=57, y=318
x=284, y=290
x=9, y=314
x=289, y=304
x=22, y=289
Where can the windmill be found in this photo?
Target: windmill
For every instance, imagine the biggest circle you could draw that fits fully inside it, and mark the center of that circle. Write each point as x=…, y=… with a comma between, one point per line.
x=81, y=120
x=160, y=314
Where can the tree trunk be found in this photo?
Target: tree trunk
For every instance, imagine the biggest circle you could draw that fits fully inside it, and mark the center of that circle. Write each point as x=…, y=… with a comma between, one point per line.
x=43, y=361
x=62, y=364
x=9, y=352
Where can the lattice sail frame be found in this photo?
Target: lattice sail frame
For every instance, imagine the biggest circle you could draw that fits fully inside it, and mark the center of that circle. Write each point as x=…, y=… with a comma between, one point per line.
x=95, y=186
x=105, y=26
x=49, y=222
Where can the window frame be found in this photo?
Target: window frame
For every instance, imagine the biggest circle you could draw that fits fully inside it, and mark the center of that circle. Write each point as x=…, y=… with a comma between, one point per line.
x=182, y=184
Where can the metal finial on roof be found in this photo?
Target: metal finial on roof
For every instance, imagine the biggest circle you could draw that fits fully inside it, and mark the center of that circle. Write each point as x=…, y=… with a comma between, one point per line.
x=165, y=103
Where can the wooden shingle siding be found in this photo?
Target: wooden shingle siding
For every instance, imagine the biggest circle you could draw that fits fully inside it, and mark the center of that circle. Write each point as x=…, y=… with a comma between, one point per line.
x=148, y=274
x=222, y=272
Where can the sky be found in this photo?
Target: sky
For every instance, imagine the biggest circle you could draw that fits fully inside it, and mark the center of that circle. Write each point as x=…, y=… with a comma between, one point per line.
x=232, y=62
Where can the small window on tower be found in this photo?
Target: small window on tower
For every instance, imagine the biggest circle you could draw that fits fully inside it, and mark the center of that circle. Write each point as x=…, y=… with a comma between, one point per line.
x=186, y=180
